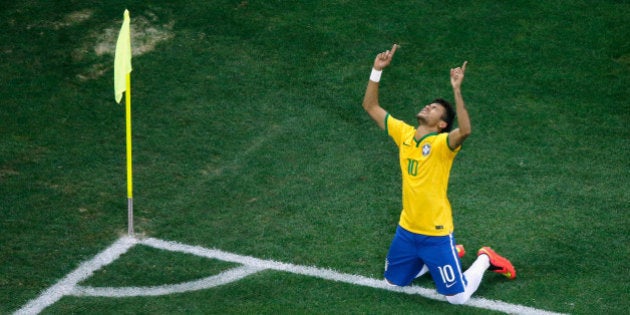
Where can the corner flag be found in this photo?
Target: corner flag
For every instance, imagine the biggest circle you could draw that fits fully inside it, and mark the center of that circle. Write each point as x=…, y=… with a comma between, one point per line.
x=122, y=83
x=122, y=59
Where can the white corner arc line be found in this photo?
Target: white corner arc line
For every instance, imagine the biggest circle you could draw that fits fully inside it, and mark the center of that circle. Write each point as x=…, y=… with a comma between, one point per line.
x=69, y=284
x=66, y=285
x=225, y=277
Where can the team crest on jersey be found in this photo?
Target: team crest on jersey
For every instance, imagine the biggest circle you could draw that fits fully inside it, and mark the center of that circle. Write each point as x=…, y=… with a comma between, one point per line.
x=426, y=149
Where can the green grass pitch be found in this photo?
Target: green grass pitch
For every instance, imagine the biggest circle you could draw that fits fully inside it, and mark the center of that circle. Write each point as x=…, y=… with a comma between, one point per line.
x=249, y=137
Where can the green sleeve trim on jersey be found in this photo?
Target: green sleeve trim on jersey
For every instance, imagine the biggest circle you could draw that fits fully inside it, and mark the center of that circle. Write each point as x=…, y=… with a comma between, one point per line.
x=386, y=116
x=448, y=144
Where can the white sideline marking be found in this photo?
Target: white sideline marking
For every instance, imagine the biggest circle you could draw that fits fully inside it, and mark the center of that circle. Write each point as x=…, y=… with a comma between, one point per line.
x=250, y=265
x=66, y=285
x=329, y=274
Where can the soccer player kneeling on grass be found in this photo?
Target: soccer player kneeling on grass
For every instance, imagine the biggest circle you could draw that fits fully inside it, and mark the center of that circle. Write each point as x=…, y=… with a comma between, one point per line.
x=424, y=238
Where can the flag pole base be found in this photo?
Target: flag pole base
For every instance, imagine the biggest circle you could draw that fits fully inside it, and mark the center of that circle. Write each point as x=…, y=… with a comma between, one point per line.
x=130, y=230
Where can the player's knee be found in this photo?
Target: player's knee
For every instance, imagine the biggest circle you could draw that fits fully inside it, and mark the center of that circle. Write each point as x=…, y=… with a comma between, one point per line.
x=460, y=298
x=390, y=283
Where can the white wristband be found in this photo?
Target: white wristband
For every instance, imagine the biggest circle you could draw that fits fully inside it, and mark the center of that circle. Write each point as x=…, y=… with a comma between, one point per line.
x=375, y=76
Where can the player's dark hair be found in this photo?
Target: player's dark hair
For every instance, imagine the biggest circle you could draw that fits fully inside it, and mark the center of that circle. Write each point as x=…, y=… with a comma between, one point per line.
x=449, y=114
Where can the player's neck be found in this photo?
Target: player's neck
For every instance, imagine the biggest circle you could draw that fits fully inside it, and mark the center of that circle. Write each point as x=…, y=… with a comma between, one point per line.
x=424, y=130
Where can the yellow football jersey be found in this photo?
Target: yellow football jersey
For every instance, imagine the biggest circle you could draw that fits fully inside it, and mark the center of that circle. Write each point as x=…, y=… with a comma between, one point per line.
x=425, y=166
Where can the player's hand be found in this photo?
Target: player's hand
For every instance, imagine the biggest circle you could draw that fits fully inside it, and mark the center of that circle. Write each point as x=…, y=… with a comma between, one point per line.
x=383, y=59
x=457, y=75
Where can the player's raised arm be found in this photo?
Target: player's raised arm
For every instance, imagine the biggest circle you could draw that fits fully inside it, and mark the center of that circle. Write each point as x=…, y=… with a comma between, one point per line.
x=457, y=136
x=370, y=100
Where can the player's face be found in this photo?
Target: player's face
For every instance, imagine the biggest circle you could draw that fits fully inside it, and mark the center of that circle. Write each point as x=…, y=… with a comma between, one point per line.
x=431, y=114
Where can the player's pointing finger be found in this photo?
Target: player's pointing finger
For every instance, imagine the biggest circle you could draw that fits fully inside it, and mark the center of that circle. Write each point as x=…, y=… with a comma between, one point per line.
x=394, y=47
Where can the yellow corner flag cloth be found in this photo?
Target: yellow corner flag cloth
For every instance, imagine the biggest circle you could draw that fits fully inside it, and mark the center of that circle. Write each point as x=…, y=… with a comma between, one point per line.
x=122, y=59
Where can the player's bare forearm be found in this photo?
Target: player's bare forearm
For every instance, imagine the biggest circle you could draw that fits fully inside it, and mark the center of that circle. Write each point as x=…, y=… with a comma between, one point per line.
x=457, y=136
x=463, y=120
x=371, y=105
x=370, y=100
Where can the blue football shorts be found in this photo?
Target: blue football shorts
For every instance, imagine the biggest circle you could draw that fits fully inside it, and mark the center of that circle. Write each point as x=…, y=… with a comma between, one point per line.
x=409, y=252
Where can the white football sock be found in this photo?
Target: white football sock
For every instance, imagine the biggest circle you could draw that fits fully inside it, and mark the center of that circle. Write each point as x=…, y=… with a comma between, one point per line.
x=423, y=270
x=474, y=274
